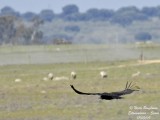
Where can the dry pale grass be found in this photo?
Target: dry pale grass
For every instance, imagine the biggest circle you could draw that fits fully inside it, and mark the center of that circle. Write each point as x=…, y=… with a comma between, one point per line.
x=35, y=99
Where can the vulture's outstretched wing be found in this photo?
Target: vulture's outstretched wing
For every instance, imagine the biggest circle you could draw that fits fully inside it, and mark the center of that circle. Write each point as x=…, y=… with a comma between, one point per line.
x=130, y=87
x=113, y=95
x=83, y=93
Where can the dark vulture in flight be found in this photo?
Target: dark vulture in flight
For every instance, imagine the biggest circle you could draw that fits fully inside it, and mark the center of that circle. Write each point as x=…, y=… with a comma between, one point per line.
x=113, y=95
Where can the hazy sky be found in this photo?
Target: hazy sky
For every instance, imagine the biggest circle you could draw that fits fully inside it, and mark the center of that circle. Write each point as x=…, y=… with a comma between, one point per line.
x=56, y=5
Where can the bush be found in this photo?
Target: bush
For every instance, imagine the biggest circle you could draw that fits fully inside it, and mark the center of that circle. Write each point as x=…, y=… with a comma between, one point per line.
x=72, y=28
x=143, y=36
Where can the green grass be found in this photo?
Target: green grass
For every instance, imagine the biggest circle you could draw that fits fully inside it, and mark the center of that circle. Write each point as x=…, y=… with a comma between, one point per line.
x=24, y=100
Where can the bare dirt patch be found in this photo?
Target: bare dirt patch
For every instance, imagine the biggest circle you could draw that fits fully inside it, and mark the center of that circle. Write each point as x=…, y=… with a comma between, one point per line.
x=149, y=61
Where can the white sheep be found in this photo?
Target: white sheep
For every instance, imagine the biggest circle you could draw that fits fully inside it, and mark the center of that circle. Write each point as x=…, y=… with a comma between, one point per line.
x=60, y=78
x=103, y=74
x=136, y=74
x=43, y=92
x=17, y=80
x=45, y=79
x=73, y=75
x=50, y=76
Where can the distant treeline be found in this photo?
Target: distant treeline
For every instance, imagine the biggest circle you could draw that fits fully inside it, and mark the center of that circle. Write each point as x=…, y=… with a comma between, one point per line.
x=24, y=28
x=123, y=16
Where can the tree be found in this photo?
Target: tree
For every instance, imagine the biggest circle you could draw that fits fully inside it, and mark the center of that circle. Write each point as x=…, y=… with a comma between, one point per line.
x=151, y=11
x=7, y=29
x=96, y=14
x=143, y=36
x=27, y=35
x=122, y=19
x=36, y=37
x=72, y=28
x=126, y=9
x=70, y=13
x=8, y=11
x=29, y=16
x=105, y=14
x=36, y=34
x=19, y=36
x=47, y=15
x=126, y=15
x=70, y=9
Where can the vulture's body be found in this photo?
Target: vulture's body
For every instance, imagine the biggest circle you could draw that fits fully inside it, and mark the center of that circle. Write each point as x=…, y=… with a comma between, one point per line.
x=112, y=95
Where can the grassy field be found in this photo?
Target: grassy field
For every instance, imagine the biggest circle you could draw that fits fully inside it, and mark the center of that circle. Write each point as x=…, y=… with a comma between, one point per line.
x=75, y=53
x=36, y=99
